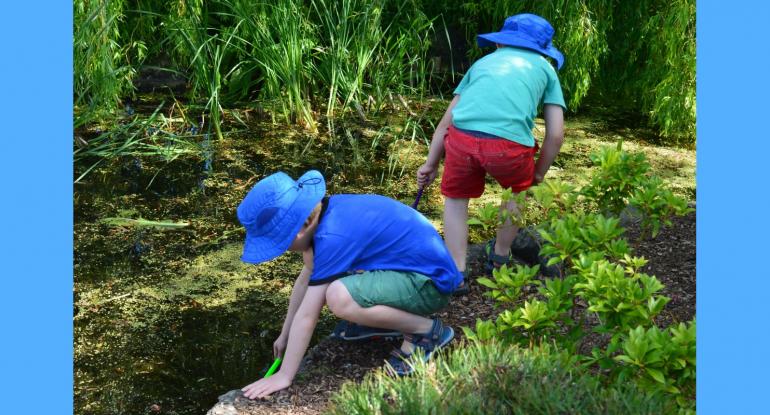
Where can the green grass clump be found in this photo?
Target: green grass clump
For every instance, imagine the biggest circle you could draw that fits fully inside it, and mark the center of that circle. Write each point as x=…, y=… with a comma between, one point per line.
x=494, y=379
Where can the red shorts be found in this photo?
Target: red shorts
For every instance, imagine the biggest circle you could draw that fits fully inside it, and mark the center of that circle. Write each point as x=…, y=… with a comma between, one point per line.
x=468, y=159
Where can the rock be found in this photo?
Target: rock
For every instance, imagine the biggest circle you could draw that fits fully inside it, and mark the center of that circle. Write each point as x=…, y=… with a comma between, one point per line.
x=227, y=402
x=630, y=216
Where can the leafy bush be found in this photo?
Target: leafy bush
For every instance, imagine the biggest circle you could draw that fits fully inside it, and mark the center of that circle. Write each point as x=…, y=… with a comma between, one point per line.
x=651, y=69
x=601, y=274
x=662, y=360
x=494, y=378
x=619, y=174
x=623, y=180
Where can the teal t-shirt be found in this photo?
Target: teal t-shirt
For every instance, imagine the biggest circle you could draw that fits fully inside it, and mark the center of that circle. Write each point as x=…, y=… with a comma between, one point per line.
x=501, y=92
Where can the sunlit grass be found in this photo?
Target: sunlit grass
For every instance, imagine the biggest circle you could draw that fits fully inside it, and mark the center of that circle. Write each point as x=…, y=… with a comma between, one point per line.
x=492, y=379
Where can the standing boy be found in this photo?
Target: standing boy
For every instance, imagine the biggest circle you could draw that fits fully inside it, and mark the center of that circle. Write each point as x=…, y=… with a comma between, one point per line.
x=488, y=129
x=372, y=260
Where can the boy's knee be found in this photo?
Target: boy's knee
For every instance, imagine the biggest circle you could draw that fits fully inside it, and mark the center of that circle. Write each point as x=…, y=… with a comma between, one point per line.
x=338, y=299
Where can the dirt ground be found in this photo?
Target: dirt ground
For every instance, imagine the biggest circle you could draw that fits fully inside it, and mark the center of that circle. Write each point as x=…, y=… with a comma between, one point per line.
x=330, y=363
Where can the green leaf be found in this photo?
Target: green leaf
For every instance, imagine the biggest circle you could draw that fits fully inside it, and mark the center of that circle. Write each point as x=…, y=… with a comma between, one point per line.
x=625, y=359
x=487, y=282
x=474, y=221
x=553, y=261
x=656, y=374
x=468, y=333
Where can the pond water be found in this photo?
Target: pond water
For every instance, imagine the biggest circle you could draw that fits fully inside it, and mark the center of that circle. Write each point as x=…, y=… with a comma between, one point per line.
x=168, y=318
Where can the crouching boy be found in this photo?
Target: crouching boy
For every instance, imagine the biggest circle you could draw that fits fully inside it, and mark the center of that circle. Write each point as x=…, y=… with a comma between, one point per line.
x=372, y=260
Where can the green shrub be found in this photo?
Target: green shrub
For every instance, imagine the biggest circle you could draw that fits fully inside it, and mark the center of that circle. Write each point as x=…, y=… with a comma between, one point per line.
x=599, y=272
x=624, y=180
x=493, y=378
x=619, y=174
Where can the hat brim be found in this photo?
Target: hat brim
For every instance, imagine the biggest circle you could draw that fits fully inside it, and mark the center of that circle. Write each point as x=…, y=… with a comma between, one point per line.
x=512, y=39
x=267, y=246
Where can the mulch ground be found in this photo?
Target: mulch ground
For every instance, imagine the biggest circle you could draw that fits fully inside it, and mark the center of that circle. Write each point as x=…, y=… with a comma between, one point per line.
x=330, y=363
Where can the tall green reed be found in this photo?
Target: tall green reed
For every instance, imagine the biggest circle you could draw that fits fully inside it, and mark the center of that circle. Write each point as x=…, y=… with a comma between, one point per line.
x=279, y=39
x=207, y=67
x=101, y=74
x=350, y=34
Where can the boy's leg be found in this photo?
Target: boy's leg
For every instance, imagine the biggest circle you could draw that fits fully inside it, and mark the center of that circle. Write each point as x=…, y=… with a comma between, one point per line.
x=456, y=229
x=507, y=232
x=512, y=165
x=387, y=299
x=341, y=303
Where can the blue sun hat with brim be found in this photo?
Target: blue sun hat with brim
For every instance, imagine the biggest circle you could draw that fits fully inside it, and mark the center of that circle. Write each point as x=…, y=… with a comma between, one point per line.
x=274, y=211
x=528, y=31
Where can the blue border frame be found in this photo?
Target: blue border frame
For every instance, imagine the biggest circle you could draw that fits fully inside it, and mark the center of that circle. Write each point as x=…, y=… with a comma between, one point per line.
x=36, y=247
x=731, y=229
x=36, y=304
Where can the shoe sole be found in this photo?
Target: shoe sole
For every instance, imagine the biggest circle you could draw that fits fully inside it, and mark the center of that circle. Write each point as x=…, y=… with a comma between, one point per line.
x=376, y=336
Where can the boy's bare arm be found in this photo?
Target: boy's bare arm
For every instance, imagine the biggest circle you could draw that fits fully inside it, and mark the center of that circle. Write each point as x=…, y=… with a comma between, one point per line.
x=427, y=172
x=554, y=137
x=301, y=331
x=297, y=293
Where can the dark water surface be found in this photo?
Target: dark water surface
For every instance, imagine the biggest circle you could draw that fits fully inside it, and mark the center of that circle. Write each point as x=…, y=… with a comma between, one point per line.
x=168, y=319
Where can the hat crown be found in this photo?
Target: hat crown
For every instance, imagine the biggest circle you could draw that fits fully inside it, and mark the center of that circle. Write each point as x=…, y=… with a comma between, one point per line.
x=274, y=210
x=266, y=200
x=532, y=26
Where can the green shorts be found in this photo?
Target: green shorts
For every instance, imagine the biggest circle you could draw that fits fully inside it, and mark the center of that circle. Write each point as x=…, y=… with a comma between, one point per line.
x=408, y=291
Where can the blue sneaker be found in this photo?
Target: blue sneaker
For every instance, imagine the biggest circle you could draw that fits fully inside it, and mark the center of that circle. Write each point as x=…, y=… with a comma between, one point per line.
x=438, y=337
x=346, y=330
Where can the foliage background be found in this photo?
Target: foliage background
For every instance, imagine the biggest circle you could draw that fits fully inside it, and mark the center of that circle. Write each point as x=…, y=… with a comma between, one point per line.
x=313, y=57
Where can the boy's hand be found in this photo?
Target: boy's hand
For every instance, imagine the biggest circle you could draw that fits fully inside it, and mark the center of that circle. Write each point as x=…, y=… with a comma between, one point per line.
x=279, y=346
x=426, y=174
x=264, y=387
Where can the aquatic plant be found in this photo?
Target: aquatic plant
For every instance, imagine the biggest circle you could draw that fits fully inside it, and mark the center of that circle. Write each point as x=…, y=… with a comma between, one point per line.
x=304, y=58
x=102, y=69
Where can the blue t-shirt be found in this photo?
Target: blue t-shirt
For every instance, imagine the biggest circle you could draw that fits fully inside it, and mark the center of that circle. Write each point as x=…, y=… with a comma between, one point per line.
x=372, y=232
x=501, y=92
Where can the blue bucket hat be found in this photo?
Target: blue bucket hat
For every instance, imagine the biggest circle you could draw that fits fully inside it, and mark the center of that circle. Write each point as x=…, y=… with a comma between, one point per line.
x=528, y=31
x=274, y=211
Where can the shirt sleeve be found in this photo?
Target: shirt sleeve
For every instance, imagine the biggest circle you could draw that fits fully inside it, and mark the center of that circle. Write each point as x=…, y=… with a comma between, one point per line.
x=553, y=93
